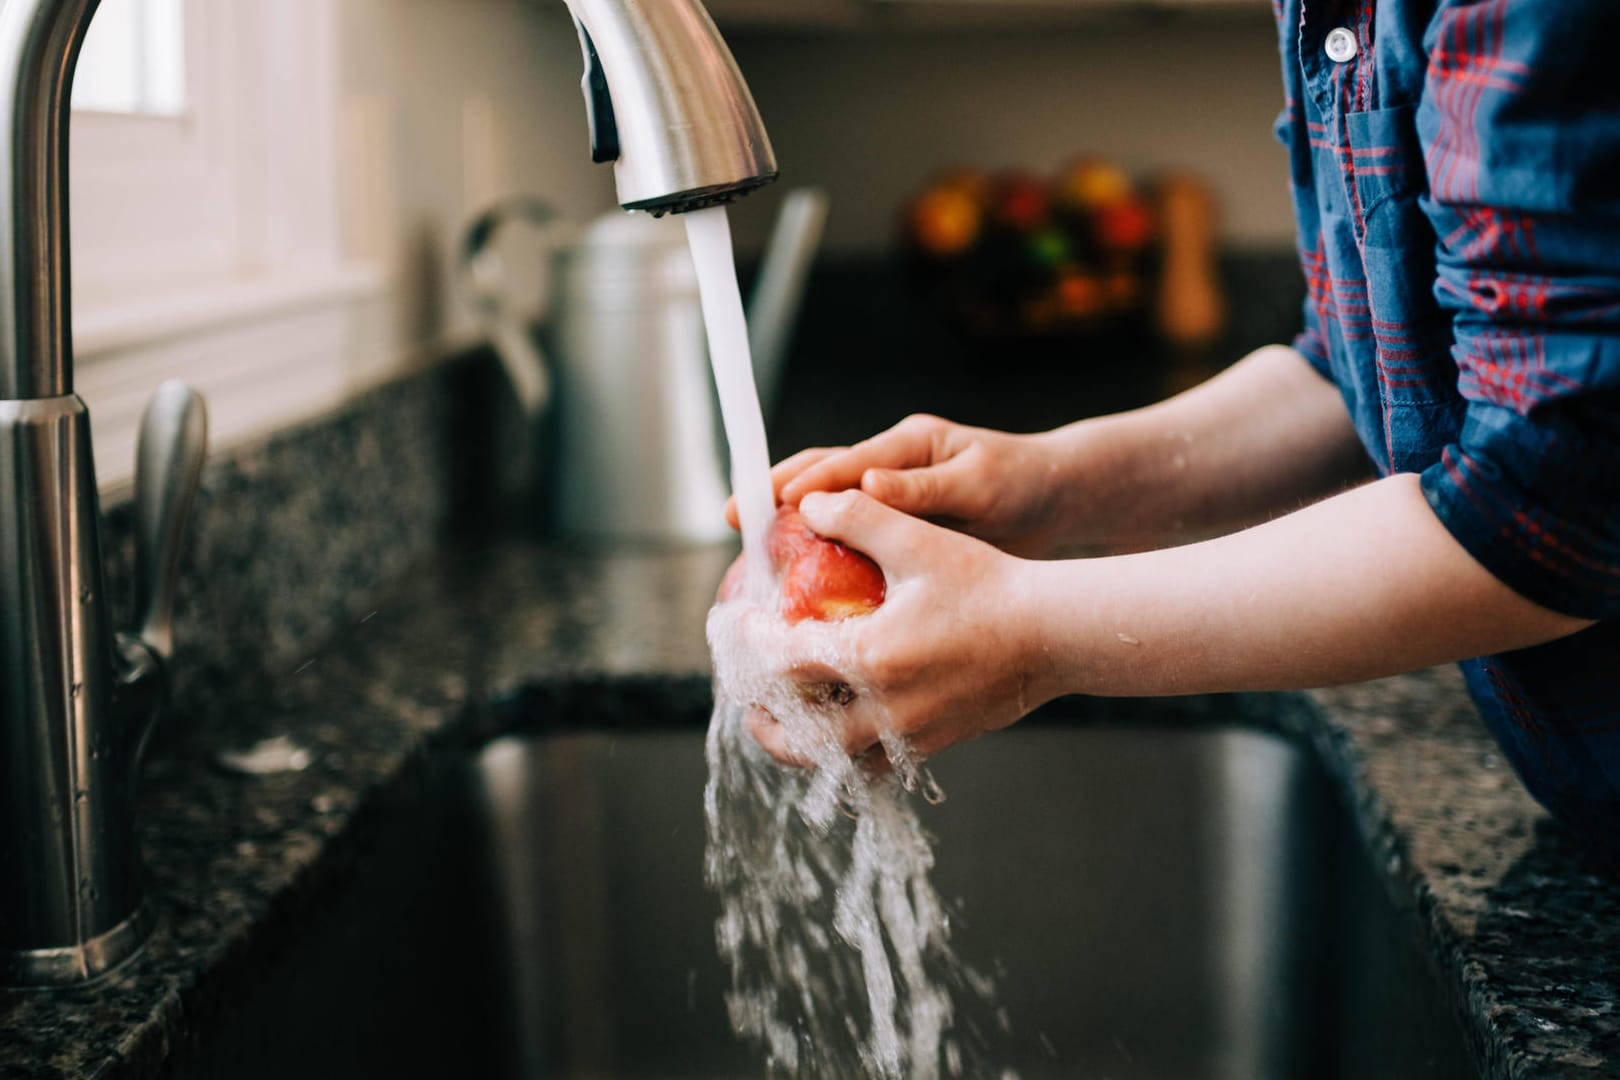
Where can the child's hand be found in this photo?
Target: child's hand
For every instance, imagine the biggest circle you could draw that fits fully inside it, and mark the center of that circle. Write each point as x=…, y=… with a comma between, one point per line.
x=990, y=484
x=1262, y=439
x=953, y=652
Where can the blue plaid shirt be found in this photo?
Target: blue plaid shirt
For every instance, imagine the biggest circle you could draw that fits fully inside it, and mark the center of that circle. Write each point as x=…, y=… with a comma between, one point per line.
x=1456, y=176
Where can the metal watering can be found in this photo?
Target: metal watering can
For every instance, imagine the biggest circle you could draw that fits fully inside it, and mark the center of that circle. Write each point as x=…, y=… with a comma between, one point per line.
x=637, y=450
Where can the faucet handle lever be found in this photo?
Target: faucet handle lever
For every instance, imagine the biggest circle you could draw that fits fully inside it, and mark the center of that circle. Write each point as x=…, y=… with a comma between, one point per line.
x=169, y=460
x=599, y=115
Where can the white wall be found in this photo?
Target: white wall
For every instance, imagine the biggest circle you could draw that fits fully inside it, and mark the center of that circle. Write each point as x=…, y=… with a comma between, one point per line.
x=871, y=116
x=449, y=105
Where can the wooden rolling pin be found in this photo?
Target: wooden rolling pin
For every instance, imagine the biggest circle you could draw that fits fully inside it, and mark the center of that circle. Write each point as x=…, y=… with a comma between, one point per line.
x=1191, y=310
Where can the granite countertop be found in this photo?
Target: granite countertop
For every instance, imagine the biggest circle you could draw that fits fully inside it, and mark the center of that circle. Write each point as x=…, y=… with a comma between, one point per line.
x=1515, y=920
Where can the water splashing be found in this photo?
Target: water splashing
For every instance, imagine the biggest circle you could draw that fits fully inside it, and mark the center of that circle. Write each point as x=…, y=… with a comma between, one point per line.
x=823, y=874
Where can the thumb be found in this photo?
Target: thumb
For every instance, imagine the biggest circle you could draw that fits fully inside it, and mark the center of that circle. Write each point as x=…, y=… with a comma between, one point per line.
x=855, y=518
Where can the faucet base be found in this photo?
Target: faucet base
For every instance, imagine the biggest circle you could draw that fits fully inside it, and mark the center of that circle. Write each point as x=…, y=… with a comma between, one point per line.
x=75, y=965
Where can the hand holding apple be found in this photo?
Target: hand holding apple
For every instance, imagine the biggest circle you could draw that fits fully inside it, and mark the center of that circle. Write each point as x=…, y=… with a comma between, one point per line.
x=951, y=653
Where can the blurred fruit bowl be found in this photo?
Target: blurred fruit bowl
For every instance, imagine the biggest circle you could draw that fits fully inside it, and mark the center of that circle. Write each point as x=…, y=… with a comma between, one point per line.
x=1011, y=253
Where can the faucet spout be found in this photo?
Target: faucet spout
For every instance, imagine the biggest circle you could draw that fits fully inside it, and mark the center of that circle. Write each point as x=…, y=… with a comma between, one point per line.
x=668, y=105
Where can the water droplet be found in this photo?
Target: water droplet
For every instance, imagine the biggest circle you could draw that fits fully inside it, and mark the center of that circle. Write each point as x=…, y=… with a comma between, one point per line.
x=81, y=797
x=78, y=689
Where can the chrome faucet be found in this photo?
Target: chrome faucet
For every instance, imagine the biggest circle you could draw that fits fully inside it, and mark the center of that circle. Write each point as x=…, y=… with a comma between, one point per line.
x=666, y=104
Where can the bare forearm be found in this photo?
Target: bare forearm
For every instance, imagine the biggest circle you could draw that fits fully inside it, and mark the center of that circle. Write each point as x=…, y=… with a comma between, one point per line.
x=1365, y=584
x=1265, y=437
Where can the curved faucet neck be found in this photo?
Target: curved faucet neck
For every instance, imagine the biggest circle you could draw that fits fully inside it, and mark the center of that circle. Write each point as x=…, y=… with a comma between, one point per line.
x=39, y=47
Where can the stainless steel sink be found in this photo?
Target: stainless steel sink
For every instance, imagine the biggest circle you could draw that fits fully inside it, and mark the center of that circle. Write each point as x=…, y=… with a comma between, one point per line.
x=1158, y=899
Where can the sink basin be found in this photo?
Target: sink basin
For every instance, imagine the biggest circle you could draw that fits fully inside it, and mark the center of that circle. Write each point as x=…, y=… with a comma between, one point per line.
x=1158, y=899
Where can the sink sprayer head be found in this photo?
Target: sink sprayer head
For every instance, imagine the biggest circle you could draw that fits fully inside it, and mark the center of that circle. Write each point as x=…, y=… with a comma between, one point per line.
x=668, y=106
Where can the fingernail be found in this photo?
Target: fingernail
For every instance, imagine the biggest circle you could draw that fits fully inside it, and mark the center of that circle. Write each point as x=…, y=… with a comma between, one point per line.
x=811, y=502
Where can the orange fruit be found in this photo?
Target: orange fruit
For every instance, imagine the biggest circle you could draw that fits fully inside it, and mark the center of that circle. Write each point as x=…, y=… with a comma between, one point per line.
x=945, y=221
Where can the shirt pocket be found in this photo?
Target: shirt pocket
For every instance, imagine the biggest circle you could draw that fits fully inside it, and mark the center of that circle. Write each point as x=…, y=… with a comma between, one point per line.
x=1417, y=376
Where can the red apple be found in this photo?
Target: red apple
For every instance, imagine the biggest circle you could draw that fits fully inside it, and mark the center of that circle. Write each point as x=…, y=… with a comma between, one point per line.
x=817, y=578
x=1020, y=201
x=822, y=579
x=1126, y=226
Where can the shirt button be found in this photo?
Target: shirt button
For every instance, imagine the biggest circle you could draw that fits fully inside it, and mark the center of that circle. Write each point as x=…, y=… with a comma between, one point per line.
x=1341, y=45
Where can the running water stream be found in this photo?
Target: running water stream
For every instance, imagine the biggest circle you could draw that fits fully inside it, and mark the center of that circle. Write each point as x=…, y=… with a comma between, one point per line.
x=823, y=873
x=709, y=234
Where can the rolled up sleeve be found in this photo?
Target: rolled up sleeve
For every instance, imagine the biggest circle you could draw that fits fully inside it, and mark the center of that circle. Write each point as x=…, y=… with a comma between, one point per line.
x=1520, y=122
x=1309, y=342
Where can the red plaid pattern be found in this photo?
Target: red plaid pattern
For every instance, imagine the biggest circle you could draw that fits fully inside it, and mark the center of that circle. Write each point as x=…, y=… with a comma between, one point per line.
x=1457, y=185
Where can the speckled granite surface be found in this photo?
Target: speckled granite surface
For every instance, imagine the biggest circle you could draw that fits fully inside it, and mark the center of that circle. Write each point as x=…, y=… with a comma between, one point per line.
x=291, y=536
x=1528, y=935
x=1526, y=928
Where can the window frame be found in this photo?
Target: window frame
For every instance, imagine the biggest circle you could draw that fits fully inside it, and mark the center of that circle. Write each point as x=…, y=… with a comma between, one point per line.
x=209, y=246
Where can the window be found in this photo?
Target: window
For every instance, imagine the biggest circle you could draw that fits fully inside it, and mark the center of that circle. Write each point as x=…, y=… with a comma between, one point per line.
x=134, y=59
x=168, y=197
x=204, y=217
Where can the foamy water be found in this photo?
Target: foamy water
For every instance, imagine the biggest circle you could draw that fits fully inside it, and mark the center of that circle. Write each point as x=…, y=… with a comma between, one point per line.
x=823, y=873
